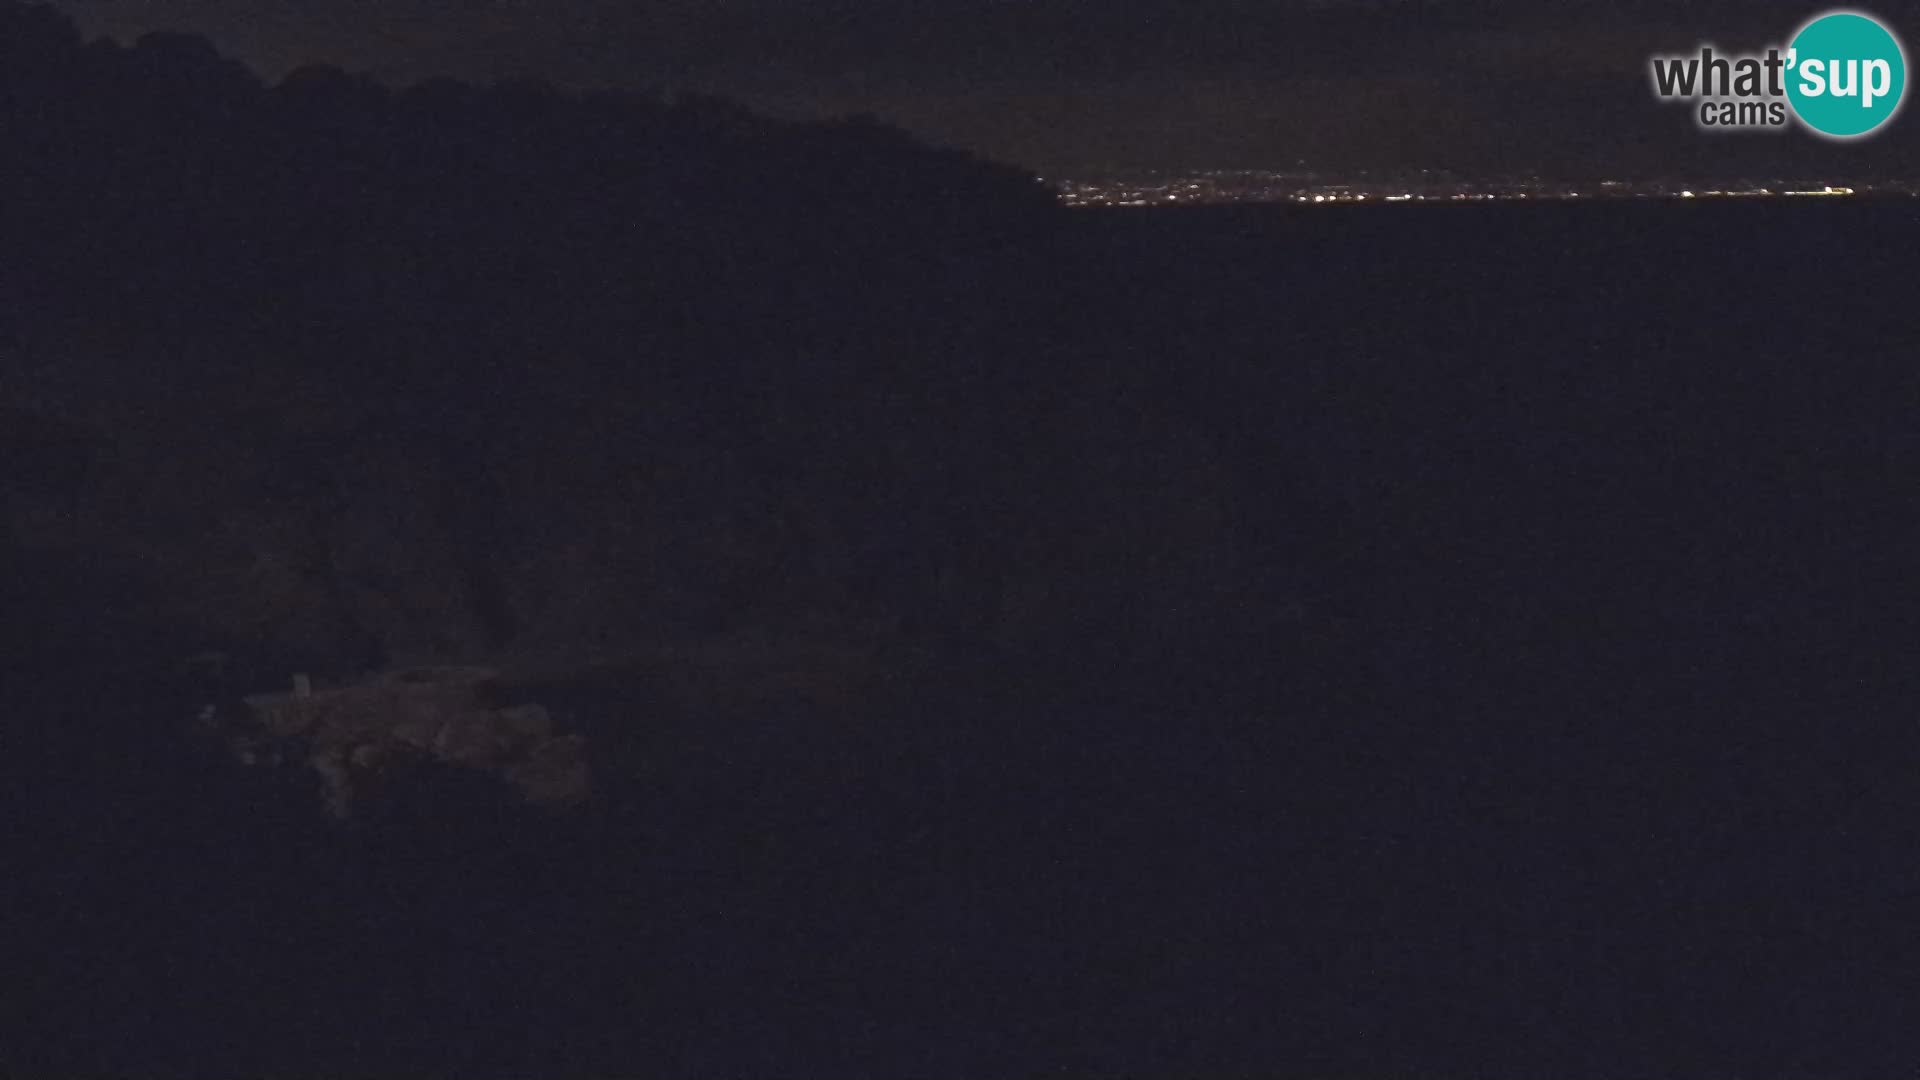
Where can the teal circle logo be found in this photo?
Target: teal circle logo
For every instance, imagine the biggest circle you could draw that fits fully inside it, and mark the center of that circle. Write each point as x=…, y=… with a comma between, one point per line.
x=1846, y=74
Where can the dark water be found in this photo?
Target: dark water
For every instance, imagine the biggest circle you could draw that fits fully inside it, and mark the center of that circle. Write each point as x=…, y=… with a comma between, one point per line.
x=1593, y=750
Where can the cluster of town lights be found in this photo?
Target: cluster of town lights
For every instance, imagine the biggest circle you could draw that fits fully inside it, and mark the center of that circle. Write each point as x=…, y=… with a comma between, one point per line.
x=1281, y=189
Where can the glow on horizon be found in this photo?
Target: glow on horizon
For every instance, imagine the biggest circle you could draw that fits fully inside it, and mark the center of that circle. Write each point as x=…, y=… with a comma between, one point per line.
x=1214, y=188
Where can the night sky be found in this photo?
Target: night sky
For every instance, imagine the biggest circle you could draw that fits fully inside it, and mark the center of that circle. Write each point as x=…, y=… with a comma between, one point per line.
x=1072, y=86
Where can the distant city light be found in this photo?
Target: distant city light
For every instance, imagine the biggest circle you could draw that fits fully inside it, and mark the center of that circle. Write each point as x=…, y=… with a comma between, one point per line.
x=1250, y=186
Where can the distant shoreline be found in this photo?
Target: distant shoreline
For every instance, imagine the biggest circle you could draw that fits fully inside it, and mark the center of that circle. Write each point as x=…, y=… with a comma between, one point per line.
x=1285, y=190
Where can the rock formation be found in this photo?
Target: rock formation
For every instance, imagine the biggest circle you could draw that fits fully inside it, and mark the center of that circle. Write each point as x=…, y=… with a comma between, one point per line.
x=375, y=734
